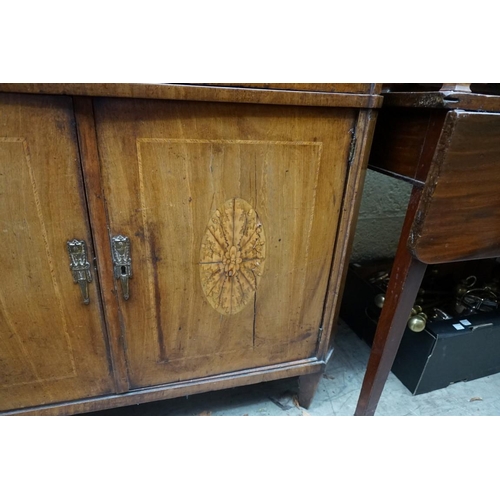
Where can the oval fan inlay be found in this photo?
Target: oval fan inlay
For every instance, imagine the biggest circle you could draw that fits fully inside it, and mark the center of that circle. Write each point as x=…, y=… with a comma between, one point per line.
x=232, y=256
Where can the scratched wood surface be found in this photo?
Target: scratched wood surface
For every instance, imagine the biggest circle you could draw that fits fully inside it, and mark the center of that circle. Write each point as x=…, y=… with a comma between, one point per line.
x=447, y=100
x=51, y=344
x=166, y=168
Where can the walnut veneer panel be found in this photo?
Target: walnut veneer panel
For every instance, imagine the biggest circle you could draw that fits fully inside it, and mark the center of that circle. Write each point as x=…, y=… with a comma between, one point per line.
x=185, y=181
x=51, y=344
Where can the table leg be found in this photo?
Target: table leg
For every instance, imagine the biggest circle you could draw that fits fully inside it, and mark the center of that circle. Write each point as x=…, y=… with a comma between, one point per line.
x=406, y=277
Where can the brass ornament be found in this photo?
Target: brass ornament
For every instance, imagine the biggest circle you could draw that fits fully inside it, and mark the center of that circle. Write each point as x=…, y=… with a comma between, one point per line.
x=232, y=256
x=418, y=322
x=122, y=262
x=379, y=300
x=80, y=266
x=418, y=319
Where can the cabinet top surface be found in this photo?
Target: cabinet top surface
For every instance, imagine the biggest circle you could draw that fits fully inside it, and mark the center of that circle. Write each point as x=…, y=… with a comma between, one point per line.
x=305, y=94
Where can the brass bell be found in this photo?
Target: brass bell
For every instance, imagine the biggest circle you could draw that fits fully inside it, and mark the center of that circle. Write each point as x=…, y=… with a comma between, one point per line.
x=417, y=322
x=379, y=300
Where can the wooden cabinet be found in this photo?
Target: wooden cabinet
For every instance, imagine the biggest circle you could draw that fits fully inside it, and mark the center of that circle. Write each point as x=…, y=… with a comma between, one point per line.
x=230, y=224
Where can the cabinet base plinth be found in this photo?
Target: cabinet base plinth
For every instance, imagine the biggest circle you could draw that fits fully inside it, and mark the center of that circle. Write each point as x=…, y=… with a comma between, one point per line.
x=301, y=368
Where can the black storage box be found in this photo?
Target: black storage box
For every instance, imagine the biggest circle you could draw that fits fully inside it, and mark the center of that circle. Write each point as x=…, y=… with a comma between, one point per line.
x=447, y=351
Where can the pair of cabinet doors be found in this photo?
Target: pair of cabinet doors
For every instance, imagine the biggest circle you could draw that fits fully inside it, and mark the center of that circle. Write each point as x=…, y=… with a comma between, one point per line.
x=231, y=211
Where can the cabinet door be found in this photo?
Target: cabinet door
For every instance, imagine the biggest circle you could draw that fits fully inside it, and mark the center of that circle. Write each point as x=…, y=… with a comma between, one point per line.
x=51, y=344
x=232, y=213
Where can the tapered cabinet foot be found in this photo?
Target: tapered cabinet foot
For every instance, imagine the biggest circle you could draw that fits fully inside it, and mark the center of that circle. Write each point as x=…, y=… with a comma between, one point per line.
x=307, y=388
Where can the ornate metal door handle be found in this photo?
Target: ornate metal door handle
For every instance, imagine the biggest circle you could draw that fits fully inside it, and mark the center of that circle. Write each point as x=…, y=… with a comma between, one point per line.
x=122, y=262
x=80, y=267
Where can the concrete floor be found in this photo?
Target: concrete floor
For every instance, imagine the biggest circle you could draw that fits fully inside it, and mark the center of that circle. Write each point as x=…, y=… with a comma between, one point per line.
x=337, y=394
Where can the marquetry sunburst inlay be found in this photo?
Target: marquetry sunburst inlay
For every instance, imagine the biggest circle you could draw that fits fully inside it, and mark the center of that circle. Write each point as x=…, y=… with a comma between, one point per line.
x=232, y=256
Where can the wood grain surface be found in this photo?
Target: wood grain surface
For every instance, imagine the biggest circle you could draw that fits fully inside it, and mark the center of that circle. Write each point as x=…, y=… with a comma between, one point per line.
x=348, y=88
x=52, y=346
x=399, y=137
x=232, y=256
x=200, y=93
x=166, y=167
x=458, y=217
x=178, y=389
x=361, y=140
x=232, y=206
x=87, y=142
